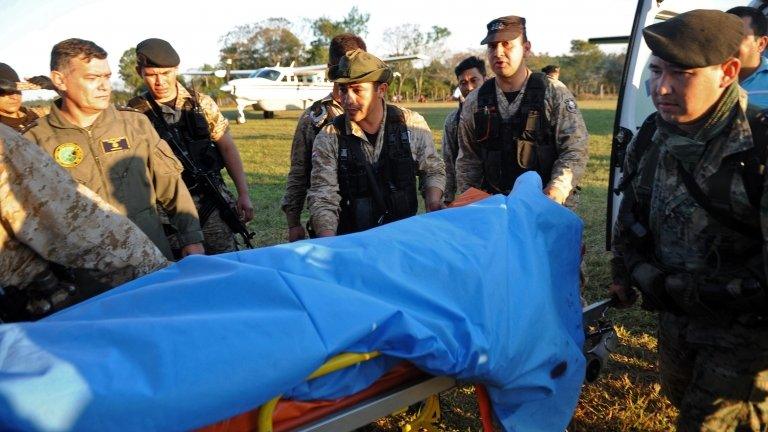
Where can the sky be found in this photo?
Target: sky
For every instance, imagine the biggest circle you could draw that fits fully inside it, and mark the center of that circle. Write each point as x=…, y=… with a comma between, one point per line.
x=29, y=28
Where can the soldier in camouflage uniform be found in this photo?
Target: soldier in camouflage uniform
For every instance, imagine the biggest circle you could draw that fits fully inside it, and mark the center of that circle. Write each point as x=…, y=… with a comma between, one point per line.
x=157, y=63
x=471, y=74
x=365, y=163
x=46, y=217
x=693, y=223
x=113, y=151
x=312, y=120
x=12, y=113
x=520, y=121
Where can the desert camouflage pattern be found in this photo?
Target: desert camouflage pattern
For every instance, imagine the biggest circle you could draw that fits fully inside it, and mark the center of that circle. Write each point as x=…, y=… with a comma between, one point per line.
x=127, y=164
x=568, y=129
x=46, y=216
x=713, y=367
x=323, y=194
x=450, y=149
x=296, y=185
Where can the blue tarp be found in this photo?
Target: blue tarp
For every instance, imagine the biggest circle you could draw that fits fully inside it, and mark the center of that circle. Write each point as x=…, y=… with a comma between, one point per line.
x=486, y=293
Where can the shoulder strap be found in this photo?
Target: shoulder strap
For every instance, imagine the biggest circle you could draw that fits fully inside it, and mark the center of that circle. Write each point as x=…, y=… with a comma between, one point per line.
x=139, y=103
x=340, y=123
x=754, y=165
x=719, y=214
x=486, y=94
x=642, y=142
x=28, y=126
x=535, y=90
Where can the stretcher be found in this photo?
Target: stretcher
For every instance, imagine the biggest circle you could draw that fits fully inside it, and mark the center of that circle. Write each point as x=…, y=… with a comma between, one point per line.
x=402, y=386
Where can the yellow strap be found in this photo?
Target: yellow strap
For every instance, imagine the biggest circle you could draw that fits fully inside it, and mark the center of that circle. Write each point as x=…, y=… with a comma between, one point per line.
x=338, y=362
x=428, y=417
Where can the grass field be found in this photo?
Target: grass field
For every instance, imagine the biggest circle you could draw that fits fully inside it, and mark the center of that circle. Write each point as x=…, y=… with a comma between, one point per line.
x=626, y=398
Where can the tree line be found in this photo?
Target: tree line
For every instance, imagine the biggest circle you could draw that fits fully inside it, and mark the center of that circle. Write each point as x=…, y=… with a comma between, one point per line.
x=585, y=69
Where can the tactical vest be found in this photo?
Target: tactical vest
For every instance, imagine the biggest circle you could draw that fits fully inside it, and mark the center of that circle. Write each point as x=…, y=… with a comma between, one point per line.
x=508, y=148
x=717, y=200
x=192, y=132
x=375, y=194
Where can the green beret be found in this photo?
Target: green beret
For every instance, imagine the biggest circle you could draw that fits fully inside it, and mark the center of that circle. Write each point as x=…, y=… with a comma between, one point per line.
x=358, y=66
x=697, y=38
x=156, y=53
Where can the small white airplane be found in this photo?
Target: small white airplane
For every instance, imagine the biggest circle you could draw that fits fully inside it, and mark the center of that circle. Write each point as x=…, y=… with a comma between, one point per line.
x=279, y=88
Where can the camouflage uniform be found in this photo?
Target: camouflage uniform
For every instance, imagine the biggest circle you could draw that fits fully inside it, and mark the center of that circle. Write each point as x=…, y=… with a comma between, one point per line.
x=713, y=362
x=45, y=217
x=568, y=130
x=123, y=160
x=451, y=152
x=323, y=194
x=297, y=184
x=217, y=236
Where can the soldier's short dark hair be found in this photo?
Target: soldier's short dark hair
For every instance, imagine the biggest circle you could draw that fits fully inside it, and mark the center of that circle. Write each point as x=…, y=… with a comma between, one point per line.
x=66, y=50
x=759, y=22
x=469, y=63
x=342, y=43
x=550, y=69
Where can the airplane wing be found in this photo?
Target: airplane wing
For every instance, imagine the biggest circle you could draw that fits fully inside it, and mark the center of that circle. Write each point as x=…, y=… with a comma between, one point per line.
x=404, y=58
x=312, y=69
x=219, y=72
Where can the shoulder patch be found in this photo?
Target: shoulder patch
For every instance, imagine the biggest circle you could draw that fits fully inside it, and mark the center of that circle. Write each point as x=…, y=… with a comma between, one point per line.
x=570, y=105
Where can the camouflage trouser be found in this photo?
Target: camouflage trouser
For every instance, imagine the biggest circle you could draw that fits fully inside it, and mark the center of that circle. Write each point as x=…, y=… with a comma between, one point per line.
x=716, y=375
x=217, y=236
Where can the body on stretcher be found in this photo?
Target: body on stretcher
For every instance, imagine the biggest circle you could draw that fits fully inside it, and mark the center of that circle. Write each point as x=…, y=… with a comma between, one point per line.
x=400, y=387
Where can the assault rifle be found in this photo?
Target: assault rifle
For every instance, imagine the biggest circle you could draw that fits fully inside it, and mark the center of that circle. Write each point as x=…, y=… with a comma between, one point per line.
x=210, y=182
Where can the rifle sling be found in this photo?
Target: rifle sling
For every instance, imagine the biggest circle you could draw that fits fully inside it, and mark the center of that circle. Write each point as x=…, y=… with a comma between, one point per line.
x=718, y=214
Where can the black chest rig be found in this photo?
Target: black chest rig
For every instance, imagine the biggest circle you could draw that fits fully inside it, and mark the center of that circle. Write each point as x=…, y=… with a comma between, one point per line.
x=375, y=194
x=508, y=148
x=190, y=133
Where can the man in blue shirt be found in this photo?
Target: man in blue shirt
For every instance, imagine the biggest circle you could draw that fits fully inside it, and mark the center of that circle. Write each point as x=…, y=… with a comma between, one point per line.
x=753, y=76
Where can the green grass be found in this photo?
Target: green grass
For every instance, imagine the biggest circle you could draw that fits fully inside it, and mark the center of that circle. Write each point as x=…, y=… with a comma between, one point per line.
x=626, y=398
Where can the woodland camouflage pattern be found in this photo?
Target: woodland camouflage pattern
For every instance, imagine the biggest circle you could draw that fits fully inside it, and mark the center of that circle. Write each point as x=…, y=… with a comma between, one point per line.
x=713, y=367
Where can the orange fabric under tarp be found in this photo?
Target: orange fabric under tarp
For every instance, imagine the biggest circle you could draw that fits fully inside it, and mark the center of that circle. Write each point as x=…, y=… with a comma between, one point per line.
x=468, y=197
x=291, y=414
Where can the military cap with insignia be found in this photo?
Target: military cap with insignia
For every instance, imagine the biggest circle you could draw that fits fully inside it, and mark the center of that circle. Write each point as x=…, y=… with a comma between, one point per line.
x=697, y=38
x=156, y=52
x=358, y=66
x=504, y=29
x=10, y=82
